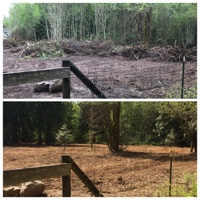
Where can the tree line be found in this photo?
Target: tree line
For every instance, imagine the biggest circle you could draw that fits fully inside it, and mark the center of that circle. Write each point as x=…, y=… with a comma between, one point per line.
x=145, y=24
x=113, y=123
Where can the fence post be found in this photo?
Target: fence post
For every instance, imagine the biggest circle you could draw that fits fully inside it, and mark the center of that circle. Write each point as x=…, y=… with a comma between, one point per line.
x=170, y=176
x=66, y=81
x=183, y=73
x=66, y=180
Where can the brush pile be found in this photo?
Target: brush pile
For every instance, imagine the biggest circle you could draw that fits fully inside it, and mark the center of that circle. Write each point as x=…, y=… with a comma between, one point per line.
x=52, y=48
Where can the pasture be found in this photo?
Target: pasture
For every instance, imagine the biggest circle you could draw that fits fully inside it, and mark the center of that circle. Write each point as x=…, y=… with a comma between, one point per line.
x=138, y=171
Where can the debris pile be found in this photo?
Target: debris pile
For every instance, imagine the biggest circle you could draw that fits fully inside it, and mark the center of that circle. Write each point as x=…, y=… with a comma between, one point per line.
x=135, y=53
x=52, y=48
x=172, y=54
x=9, y=43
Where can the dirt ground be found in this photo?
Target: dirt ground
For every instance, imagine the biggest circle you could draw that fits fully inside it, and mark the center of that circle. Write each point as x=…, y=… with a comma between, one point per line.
x=115, y=76
x=139, y=171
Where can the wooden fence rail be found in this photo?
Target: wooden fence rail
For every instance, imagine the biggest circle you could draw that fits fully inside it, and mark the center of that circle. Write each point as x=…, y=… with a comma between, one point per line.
x=34, y=173
x=16, y=78
x=11, y=177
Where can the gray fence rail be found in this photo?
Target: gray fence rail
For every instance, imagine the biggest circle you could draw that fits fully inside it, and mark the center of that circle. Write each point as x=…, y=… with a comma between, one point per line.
x=16, y=78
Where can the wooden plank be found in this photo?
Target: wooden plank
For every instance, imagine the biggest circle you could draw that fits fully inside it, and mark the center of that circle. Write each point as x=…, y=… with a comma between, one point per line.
x=17, y=78
x=11, y=177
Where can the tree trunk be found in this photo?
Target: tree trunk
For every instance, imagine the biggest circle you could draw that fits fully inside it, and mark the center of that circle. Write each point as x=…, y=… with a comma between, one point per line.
x=147, y=28
x=114, y=127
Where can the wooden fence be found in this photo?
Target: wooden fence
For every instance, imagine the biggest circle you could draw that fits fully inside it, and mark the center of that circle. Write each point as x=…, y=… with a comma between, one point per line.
x=11, y=177
x=16, y=78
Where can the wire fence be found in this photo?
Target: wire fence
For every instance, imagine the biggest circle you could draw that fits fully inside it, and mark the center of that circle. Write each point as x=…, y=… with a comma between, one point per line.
x=120, y=78
x=143, y=176
x=134, y=79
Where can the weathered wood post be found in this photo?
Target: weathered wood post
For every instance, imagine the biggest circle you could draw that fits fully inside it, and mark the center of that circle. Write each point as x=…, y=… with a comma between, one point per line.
x=66, y=180
x=66, y=81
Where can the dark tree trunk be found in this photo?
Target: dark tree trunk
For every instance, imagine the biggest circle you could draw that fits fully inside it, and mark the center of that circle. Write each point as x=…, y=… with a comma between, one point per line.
x=114, y=128
x=194, y=140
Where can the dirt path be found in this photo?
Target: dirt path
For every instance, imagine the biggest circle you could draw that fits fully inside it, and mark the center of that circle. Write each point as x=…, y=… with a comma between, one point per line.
x=115, y=76
x=140, y=171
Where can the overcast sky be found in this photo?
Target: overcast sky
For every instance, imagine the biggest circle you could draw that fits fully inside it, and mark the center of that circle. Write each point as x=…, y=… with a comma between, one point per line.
x=5, y=8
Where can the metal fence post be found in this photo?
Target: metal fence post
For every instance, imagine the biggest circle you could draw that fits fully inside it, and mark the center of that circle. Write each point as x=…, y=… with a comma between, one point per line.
x=183, y=73
x=170, y=176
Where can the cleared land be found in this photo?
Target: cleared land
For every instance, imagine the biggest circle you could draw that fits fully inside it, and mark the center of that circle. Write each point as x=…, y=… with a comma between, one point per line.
x=116, y=76
x=139, y=171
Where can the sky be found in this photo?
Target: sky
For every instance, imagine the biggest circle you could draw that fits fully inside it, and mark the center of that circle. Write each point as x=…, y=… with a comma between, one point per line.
x=5, y=8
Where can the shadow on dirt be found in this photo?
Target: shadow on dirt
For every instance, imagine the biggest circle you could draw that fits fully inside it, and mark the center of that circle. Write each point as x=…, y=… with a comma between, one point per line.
x=163, y=157
x=35, y=145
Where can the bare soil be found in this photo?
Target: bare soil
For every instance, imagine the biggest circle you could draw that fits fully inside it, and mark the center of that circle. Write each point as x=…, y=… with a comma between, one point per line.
x=139, y=171
x=115, y=76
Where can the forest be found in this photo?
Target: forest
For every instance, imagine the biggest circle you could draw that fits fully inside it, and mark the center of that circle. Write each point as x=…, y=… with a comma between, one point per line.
x=116, y=124
x=146, y=24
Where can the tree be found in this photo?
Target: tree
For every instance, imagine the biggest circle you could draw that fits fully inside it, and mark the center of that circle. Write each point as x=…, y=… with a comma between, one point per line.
x=125, y=23
x=55, y=17
x=23, y=20
x=183, y=121
x=113, y=126
x=64, y=136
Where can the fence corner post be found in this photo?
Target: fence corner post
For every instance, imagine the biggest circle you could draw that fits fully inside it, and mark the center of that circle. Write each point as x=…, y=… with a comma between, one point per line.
x=66, y=81
x=66, y=180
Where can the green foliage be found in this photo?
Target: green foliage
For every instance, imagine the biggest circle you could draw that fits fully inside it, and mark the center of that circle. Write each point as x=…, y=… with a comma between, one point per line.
x=185, y=186
x=188, y=93
x=64, y=136
x=124, y=23
x=138, y=122
x=23, y=19
x=5, y=22
x=174, y=23
x=156, y=123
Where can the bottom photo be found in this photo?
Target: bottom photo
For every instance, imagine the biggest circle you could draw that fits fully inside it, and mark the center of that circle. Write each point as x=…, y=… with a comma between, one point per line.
x=100, y=149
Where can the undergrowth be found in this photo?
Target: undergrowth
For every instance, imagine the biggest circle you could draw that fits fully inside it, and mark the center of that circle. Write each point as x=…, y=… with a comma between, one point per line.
x=188, y=92
x=184, y=187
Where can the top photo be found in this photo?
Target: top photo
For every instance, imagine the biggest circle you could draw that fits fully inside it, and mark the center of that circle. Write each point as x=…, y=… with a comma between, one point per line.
x=100, y=51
